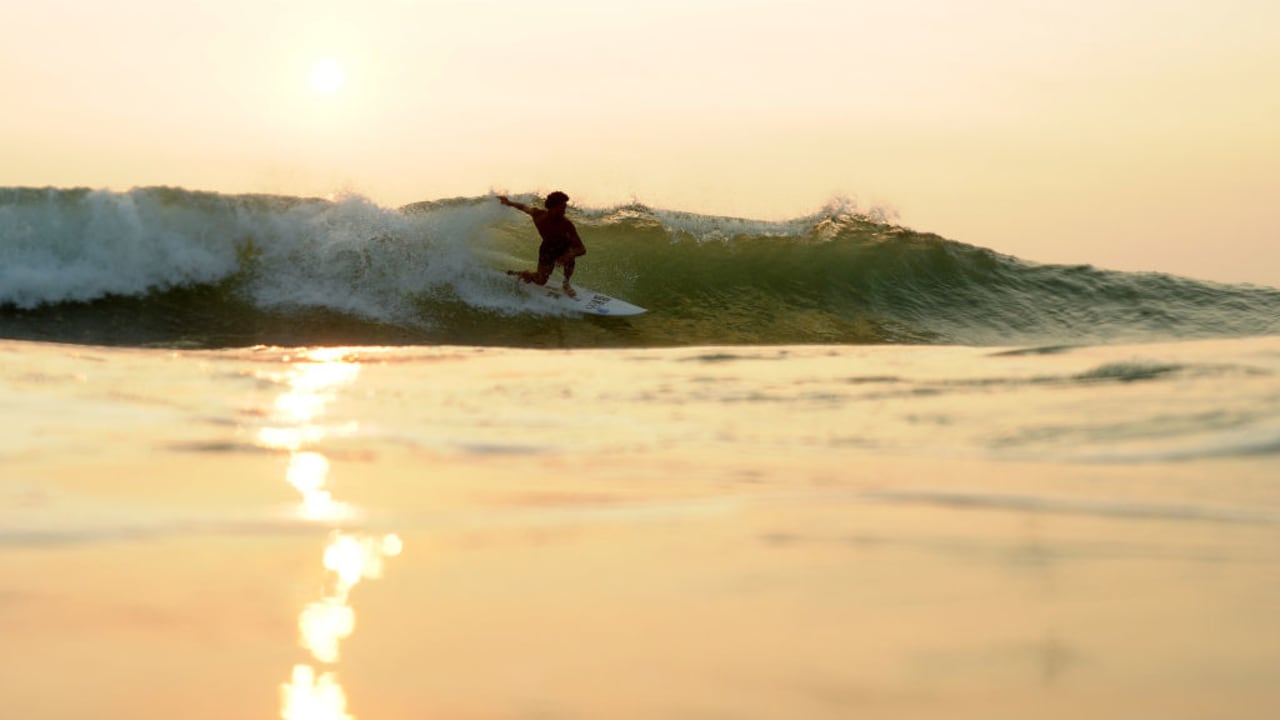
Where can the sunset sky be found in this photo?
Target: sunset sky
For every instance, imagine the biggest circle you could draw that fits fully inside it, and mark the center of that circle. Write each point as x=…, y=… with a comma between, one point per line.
x=1135, y=135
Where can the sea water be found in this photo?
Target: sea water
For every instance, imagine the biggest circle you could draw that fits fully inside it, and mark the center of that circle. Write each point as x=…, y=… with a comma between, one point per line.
x=275, y=457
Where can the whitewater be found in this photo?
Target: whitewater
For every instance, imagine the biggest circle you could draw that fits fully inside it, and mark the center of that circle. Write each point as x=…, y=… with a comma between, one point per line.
x=184, y=268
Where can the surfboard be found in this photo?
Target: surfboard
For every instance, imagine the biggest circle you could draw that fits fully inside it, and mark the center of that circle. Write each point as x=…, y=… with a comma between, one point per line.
x=586, y=301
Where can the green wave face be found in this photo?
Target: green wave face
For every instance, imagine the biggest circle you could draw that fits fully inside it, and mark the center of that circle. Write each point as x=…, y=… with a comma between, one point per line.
x=180, y=268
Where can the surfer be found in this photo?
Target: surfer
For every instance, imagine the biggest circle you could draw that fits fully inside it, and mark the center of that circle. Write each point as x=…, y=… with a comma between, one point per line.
x=560, y=241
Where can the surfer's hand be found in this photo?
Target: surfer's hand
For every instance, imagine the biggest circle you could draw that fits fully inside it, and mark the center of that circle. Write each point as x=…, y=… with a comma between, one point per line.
x=503, y=199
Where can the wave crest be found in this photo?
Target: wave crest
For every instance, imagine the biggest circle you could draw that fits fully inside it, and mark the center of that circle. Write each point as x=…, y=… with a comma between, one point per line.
x=174, y=266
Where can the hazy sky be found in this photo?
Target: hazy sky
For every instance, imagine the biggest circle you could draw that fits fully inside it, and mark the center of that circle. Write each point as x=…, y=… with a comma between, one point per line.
x=1129, y=134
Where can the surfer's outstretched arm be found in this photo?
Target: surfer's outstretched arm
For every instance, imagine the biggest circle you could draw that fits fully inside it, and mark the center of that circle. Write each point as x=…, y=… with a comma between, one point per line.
x=515, y=204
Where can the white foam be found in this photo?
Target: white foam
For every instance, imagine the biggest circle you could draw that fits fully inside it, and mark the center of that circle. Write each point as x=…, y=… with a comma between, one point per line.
x=105, y=243
x=825, y=223
x=349, y=255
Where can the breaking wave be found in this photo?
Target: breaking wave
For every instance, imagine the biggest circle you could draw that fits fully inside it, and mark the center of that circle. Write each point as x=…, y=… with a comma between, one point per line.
x=168, y=266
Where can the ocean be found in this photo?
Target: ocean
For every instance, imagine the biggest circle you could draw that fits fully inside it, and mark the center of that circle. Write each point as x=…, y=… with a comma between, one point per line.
x=313, y=459
x=171, y=267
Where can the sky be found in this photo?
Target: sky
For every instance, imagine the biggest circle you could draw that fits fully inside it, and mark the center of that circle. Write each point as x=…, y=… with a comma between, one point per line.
x=1138, y=135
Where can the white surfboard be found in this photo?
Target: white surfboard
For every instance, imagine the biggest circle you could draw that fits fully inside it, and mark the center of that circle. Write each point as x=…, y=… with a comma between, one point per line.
x=585, y=301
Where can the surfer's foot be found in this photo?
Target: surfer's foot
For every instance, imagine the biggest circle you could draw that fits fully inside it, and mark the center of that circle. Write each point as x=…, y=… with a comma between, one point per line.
x=569, y=291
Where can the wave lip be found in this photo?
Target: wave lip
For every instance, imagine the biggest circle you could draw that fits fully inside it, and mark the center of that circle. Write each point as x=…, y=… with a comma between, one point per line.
x=175, y=267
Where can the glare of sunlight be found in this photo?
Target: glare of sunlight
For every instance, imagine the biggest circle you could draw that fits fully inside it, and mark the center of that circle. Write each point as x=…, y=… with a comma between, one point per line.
x=327, y=77
x=307, y=473
x=324, y=625
x=329, y=354
x=391, y=545
x=348, y=558
x=301, y=405
x=294, y=427
x=310, y=384
x=353, y=558
x=307, y=697
x=326, y=370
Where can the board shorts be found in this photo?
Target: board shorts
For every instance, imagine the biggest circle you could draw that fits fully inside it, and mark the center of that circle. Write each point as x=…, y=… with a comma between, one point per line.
x=548, y=253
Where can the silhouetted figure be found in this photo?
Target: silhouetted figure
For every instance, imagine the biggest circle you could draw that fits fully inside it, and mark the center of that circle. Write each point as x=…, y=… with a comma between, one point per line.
x=560, y=241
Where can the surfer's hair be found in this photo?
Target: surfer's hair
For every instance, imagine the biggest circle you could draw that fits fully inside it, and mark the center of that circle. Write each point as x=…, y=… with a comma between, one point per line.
x=556, y=199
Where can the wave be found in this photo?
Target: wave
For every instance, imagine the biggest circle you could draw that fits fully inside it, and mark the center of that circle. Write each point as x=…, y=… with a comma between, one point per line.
x=175, y=267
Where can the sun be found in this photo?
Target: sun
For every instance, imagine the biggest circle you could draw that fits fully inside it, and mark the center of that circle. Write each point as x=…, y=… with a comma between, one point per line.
x=327, y=77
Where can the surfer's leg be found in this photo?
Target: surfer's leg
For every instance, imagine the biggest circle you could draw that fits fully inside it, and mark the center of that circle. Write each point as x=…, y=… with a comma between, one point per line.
x=546, y=264
x=568, y=273
x=544, y=272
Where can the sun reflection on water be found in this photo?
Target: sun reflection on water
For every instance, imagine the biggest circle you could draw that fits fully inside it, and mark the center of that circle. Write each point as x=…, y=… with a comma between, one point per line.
x=349, y=557
x=307, y=697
